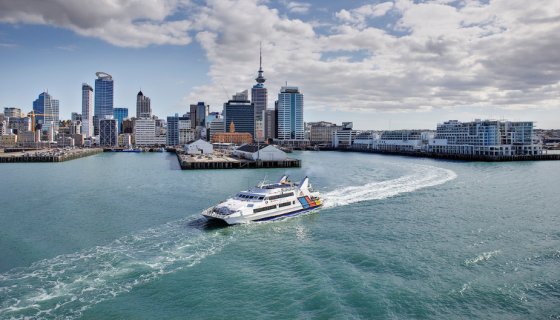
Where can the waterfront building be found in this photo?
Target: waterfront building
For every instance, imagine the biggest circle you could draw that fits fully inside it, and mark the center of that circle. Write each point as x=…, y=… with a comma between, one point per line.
x=19, y=125
x=199, y=147
x=119, y=114
x=259, y=94
x=26, y=137
x=87, y=110
x=241, y=112
x=3, y=126
x=232, y=136
x=217, y=125
x=8, y=140
x=290, y=115
x=49, y=108
x=2, y=117
x=254, y=151
x=65, y=142
x=485, y=137
x=12, y=112
x=174, y=124
x=321, y=132
x=104, y=87
x=270, y=122
x=145, y=133
x=143, y=106
x=108, y=132
x=365, y=140
x=402, y=140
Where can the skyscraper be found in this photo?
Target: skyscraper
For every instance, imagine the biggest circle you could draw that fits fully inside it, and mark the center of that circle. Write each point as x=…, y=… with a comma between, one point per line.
x=108, y=132
x=143, y=106
x=290, y=114
x=259, y=94
x=104, y=86
x=241, y=113
x=119, y=114
x=50, y=107
x=87, y=110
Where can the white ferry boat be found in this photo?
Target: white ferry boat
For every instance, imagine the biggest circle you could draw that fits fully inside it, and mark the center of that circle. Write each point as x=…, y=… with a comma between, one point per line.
x=267, y=201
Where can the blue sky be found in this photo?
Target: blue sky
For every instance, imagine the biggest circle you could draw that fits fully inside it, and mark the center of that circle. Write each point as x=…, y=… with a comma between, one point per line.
x=381, y=64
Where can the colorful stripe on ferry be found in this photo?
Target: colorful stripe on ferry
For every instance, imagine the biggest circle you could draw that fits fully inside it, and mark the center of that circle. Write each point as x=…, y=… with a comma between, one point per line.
x=307, y=203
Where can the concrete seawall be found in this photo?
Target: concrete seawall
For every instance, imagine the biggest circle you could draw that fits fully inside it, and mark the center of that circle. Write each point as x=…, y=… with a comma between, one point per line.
x=11, y=158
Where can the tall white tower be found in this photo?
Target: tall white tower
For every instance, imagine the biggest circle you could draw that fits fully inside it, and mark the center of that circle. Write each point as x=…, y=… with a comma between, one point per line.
x=87, y=110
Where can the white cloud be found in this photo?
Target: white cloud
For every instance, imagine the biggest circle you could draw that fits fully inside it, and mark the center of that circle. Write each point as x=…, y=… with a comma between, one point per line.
x=358, y=16
x=127, y=23
x=502, y=53
x=297, y=7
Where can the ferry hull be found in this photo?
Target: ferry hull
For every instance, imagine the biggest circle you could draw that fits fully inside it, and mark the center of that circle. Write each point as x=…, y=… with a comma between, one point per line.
x=260, y=218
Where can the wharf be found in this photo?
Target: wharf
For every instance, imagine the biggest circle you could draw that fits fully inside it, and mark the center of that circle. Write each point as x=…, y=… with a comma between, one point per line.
x=225, y=161
x=46, y=155
x=464, y=157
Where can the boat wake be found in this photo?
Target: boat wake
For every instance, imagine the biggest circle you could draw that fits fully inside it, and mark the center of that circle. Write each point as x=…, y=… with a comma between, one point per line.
x=422, y=176
x=67, y=285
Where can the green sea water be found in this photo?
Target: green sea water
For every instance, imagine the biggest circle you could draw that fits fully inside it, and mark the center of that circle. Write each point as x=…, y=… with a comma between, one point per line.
x=120, y=236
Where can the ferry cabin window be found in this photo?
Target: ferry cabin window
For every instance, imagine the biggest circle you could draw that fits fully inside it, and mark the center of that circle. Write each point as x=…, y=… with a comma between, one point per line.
x=285, y=204
x=280, y=196
x=264, y=209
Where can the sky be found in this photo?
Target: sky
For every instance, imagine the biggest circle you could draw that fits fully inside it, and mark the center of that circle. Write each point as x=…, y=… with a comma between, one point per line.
x=398, y=64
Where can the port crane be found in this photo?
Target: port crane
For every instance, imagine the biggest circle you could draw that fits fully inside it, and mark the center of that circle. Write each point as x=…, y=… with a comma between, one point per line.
x=33, y=114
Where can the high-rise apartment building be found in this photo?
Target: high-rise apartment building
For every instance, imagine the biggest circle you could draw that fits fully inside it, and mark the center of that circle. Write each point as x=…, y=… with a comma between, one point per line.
x=120, y=114
x=104, y=87
x=198, y=114
x=87, y=110
x=12, y=112
x=270, y=129
x=174, y=125
x=49, y=109
x=290, y=114
x=143, y=106
x=108, y=132
x=259, y=94
x=241, y=112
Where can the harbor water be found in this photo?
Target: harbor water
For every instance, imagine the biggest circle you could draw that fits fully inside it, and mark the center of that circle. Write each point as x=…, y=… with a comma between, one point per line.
x=120, y=236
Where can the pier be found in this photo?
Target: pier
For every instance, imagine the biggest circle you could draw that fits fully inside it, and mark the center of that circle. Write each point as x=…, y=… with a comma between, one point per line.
x=226, y=161
x=48, y=155
x=450, y=156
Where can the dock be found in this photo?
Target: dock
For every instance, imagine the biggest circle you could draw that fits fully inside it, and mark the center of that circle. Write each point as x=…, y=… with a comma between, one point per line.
x=226, y=161
x=452, y=156
x=45, y=155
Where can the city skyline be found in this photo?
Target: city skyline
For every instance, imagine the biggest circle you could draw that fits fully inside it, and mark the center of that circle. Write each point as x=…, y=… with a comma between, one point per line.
x=387, y=65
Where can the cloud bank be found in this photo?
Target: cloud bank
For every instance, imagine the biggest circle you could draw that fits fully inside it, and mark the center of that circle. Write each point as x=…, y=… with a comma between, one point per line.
x=431, y=55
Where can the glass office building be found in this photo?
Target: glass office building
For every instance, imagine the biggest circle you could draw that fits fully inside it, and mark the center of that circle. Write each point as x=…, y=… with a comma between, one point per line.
x=290, y=114
x=242, y=114
x=119, y=114
x=49, y=110
x=103, y=104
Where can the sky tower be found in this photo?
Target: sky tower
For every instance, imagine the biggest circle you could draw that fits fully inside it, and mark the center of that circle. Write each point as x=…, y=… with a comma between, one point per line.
x=259, y=94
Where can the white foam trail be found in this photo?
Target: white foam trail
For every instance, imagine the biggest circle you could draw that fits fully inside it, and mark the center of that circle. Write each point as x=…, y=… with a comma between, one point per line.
x=65, y=286
x=422, y=176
